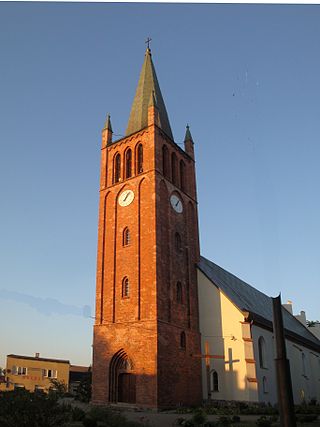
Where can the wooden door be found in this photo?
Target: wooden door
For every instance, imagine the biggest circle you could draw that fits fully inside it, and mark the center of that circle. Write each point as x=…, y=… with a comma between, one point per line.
x=127, y=388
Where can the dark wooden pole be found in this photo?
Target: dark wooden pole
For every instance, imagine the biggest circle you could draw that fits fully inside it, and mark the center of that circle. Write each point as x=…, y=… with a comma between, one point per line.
x=285, y=397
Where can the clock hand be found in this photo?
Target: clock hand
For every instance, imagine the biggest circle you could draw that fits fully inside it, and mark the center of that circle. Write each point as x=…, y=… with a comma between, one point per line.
x=126, y=197
x=177, y=202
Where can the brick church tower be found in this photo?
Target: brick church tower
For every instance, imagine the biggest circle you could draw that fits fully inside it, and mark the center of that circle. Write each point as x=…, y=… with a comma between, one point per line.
x=146, y=335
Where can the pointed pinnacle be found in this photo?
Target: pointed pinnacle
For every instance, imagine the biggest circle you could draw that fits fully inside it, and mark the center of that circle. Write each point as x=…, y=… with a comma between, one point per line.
x=188, y=136
x=107, y=124
x=153, y=100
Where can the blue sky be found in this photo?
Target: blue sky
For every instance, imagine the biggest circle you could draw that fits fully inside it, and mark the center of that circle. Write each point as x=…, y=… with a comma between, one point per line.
x=246, y=79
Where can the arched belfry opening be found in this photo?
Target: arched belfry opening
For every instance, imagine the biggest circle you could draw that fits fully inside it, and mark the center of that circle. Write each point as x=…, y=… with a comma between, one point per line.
x=122, y=380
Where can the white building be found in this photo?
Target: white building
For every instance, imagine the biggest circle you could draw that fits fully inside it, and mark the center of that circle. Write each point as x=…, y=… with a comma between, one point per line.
x=238, y=344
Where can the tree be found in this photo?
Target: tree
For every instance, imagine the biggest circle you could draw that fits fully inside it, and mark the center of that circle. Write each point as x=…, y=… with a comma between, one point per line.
x=57, y=388
x=312, y=323
x=83, y=392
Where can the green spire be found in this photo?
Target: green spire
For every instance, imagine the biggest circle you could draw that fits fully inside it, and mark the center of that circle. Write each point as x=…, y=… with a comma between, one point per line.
x=107, y=124
x=188, y=136
x=148, y=83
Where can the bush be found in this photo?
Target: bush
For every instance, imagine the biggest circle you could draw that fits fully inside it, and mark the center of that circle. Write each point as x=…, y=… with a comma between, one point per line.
x=77, y=414
x=224, y=421
x=199, y=417
x=25, y=409
x=57, y=388
x=264, y=422
x=89, y=422
x=83, y=391
x=236, y=419
x=307, y=418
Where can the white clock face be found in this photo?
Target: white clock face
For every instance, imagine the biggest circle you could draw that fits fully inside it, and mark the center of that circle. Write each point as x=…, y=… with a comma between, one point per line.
x=126, y=197
x=176, y=203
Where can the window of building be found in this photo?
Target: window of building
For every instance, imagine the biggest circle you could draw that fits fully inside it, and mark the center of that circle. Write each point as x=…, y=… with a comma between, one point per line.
x=165, y=161
x=182, y=175
x=174, y=168
x=117, y=168
x=177, y=241
x=128, y=172
x=264, y=385
x=214, y=381
x=303, y=359
x=19, y=370
x=125, y=288
x=126, y=237
x=179, y=292
x=183, y=340
x=262, y=352
x=18, y=386
x=49, y=373
x=139, y=157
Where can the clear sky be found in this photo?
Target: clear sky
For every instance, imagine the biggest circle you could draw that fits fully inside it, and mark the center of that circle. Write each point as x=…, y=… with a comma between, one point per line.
x=246, y=79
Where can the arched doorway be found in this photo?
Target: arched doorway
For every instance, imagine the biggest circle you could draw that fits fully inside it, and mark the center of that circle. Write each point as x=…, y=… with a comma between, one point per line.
x=122, y=381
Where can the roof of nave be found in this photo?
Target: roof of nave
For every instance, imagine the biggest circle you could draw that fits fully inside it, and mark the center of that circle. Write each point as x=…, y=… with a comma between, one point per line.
x=247, y=298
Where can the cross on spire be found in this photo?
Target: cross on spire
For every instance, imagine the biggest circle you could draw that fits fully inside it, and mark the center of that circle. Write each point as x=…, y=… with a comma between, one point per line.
x=148, y=42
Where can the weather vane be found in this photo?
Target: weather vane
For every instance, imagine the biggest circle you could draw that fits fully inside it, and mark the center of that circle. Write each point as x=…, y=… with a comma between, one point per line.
x=148, y=42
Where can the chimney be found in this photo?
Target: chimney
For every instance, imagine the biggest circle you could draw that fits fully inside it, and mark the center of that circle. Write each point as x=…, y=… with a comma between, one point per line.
x=288, y=306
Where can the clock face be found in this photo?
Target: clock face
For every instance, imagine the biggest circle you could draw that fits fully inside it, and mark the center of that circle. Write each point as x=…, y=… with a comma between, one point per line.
x=126, y=197
x=176, y=203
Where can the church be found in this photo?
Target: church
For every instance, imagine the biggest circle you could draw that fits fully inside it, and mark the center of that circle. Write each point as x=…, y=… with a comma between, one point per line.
x=171, y=327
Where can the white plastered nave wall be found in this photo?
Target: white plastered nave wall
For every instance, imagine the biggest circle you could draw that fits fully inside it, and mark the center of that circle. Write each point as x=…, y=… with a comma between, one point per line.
x=221, y=328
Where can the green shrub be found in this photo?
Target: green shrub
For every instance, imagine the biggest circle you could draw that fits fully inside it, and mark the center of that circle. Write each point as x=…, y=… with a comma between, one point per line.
x=224, y=421
x=307, y=418
x=83, y=391
x=211, y=410
x=77, y=414
x=89, y=422
x=179, y=421
x=21, y=408
x=199, y=417
x=264, y=422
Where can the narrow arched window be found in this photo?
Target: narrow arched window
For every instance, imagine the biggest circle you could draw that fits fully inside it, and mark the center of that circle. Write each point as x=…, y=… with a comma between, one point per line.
x=262, y=352
x=214, y=381
x=139, y=157
x=126, y=237
x=303, y=358
x=174, y=168
x=128, y=172
x=179, y=293
x=183, y=340
x=125, y=287
x=182, y=175
x=165, y=161
x=117, y=168
x=264, y=385
x=177, y=242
